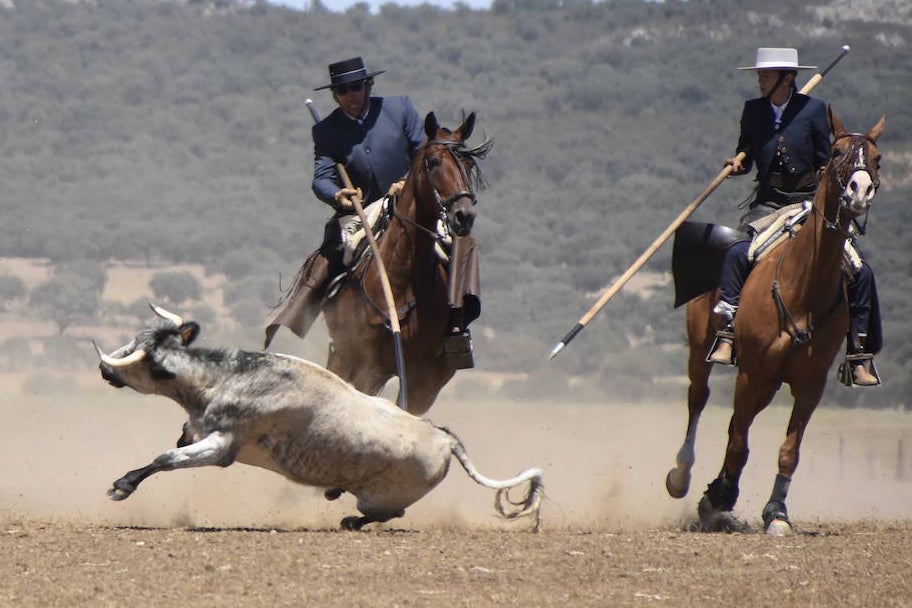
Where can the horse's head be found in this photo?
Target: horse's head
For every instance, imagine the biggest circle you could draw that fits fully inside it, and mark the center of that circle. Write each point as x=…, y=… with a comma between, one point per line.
x=450, y=168
x=854, y=166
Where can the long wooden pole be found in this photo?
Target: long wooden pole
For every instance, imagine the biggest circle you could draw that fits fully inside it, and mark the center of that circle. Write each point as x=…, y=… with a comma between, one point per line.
x=391, y=310
x=688, y=211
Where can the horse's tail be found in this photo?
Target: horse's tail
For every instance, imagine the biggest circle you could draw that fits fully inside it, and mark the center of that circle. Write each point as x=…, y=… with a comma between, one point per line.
x=503, y=504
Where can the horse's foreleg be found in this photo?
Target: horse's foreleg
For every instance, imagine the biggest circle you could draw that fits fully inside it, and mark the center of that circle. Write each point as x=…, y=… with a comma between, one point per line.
x=775, y=514
x=718, y=502
x=424, y=384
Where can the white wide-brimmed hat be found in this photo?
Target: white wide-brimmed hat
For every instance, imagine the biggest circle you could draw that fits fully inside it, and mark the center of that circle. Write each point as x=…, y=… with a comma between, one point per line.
x=777, y=59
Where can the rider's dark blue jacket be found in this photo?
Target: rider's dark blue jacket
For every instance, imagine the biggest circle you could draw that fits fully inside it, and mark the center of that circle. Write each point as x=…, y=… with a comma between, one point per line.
x=376, y=152
x=802, y=143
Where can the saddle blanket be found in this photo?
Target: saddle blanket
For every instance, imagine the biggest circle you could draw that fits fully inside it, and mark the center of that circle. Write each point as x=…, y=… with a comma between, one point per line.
x=774, y=228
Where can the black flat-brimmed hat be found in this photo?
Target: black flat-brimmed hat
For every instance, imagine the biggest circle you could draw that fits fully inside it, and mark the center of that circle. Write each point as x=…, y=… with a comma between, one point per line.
x=350, y=70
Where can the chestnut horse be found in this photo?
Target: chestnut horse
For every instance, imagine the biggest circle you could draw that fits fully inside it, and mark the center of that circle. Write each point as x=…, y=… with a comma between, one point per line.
x=438, y=189
x=791, y=323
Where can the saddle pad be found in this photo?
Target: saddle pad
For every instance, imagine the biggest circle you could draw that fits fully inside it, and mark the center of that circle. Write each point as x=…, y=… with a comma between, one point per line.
x=776, y=227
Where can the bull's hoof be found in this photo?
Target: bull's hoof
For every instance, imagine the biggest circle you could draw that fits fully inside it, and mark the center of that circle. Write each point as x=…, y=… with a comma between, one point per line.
x=715, y=520
x=121, y=490
x=353, y=523
x=779, y=527
x=333, y=493
x=677, y=483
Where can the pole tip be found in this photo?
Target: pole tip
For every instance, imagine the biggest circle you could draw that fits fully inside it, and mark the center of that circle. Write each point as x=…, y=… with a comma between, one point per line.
x=309, y=101
x=557, y=348
x=846, y=48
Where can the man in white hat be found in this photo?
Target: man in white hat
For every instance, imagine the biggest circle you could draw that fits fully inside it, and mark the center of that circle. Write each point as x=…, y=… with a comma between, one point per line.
x=787, y=135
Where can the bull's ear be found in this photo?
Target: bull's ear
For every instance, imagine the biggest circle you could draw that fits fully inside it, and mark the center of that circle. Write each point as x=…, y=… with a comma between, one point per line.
x=188, y=332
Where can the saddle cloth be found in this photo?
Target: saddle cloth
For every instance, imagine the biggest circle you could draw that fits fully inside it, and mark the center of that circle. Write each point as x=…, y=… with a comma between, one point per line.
x=774, y=228
x=353, y=232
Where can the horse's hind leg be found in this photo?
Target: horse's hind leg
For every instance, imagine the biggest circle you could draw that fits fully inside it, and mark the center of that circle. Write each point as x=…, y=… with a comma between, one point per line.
x=699, y=331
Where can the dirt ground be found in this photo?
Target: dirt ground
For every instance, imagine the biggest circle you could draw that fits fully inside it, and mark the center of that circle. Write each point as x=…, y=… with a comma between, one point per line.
x=610, y=534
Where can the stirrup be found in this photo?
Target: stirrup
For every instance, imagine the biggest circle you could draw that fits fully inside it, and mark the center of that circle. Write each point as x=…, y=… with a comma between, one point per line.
x=723, y=336
x=457, y=348
x=845, y=369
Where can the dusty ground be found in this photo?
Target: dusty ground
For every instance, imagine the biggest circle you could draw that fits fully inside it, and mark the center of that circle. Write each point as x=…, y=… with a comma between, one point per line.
x=611, y=536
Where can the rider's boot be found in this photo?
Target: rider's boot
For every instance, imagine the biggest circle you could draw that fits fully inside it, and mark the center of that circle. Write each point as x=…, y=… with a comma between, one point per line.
x=457, y=343
x=723, y=348
x=863, y=365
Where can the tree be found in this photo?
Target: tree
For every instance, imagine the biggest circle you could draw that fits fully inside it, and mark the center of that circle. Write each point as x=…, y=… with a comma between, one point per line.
x=11, y=288
x=66, y=298
x=176, y=287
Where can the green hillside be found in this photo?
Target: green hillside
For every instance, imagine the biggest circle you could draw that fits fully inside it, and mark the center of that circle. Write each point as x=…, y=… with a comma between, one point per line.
x=172, y=133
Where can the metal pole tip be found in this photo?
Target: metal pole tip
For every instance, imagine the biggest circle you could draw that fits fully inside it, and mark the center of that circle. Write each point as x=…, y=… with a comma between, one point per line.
x=557, y=349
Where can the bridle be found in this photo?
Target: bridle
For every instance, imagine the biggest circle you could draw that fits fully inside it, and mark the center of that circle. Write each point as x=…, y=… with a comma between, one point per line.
x=458, y=151
x=454, y=148
x=852, y=160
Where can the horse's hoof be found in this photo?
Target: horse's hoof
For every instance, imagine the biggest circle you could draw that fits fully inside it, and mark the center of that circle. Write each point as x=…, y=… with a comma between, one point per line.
x=714, y=520
x=677, y=483
x=779, y=527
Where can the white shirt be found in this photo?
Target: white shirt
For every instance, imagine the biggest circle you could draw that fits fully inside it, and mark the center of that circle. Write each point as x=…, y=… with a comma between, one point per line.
x=778, y=111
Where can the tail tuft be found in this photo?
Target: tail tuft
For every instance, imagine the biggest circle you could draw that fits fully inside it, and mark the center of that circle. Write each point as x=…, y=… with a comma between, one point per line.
x=506, y=507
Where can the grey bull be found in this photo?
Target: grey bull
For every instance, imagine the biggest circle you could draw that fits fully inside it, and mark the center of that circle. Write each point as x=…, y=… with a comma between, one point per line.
x=298, y=419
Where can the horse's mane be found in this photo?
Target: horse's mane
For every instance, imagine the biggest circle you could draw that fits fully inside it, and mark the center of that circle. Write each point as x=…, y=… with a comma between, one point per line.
x=470, y=156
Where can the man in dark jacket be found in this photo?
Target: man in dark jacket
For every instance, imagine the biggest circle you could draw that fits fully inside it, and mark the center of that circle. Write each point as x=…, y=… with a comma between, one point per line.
x=787, y=136
x=374, y=138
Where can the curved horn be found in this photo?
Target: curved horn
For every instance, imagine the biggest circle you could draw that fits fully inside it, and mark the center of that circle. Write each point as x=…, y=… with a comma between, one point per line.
x=166, y=315
x=134, y=357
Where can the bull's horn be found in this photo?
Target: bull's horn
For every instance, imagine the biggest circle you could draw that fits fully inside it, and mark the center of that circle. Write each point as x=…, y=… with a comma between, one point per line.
x=134, y=357
x=166, y=315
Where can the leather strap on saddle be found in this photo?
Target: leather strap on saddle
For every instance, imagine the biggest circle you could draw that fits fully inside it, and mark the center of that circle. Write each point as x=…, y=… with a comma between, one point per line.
x=304, y=301
x=696, y=258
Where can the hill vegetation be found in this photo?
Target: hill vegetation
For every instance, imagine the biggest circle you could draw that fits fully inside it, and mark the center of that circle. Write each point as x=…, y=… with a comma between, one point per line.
x=173, y=133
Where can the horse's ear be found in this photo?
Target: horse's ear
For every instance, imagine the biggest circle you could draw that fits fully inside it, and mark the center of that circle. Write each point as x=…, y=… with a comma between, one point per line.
x=467, y=126
x=835, y=124
x=877, y=129
x=431, y=126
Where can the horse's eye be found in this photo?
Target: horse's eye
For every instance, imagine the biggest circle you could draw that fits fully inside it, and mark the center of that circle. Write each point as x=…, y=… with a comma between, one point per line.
x=433, y=162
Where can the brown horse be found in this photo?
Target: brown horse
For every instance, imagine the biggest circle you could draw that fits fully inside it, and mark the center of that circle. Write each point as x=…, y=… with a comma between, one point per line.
x=790, y=325
x=438, y=189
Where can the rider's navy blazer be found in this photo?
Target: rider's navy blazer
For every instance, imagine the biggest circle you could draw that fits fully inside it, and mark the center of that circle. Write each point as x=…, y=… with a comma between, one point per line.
x=803, y=140
x=375, y=152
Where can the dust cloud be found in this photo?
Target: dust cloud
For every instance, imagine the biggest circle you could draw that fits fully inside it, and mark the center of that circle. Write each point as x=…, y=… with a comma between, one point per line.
x=604, y=464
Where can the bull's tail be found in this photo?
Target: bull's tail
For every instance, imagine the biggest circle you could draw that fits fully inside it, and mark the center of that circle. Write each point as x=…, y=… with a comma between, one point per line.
x=503, y=504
